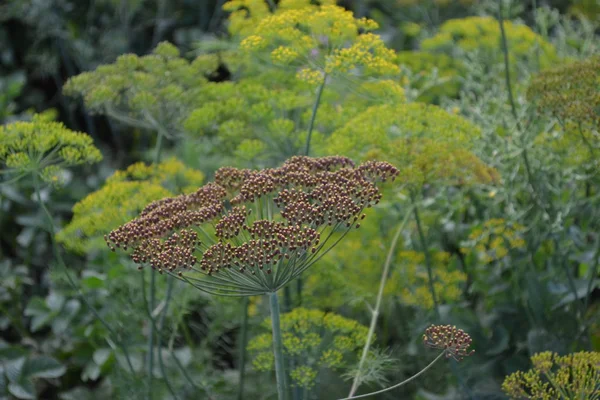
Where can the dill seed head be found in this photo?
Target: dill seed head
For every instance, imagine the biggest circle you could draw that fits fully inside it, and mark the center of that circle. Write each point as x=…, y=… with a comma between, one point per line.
x=251, y=232
x=455, y=342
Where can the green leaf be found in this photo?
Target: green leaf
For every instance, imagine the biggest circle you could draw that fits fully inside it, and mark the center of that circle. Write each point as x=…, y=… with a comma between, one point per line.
x=22, y=390
x=101, y=356
x=55, y=301
x=39, y=312
x=93, y=280
x=44, y=367
x=66, y=315
x=14, y=369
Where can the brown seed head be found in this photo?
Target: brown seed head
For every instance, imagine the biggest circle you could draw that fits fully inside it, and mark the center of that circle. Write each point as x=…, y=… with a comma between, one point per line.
x=455, y=342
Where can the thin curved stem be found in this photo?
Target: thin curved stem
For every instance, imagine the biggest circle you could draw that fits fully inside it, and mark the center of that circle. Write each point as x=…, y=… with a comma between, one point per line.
x=314, y=115
x=58, y=256
x=511, y=98
x=243, y=338
x=428, y=263
x=277, y=347
x=158, y=339
x=375, y=312
x=415, y=376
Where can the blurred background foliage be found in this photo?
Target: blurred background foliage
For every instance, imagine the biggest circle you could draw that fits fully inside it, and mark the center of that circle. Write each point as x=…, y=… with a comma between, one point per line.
x=502, y=181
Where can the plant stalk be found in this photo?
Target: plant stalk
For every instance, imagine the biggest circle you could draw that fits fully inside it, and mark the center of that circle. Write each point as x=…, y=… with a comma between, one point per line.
x=151, y=302
x=277, y=347
x=428, y=262
x=243, y=338
x=314, y=115
x=415, y=376
x=375, y=312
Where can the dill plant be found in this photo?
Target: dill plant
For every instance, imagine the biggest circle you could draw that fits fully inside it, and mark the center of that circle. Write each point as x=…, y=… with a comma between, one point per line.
x=481, y=38
x=252, y=232
x=572, y=376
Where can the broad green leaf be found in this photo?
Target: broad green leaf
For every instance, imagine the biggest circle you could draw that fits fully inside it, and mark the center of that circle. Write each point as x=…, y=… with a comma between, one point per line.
x=44, y=367
x=22, y=390
x=14, y=369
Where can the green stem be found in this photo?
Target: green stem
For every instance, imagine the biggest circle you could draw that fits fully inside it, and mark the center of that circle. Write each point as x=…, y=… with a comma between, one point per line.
x=415, y=376
x=151, y=303
x=243, y=339
x=58, y=256
x=428, y=263
x=511, y=98
x=277, y=347
x=314, y=115
x=158, y=148
x=150, y=354
x=375, y=312
x=158, y=339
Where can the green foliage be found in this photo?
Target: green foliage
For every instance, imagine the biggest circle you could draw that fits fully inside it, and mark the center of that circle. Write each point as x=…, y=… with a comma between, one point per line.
x=506, y=192
x=20, y=371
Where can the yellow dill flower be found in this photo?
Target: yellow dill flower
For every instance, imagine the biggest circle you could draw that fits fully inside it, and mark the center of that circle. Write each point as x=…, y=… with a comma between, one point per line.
x=122, y=197
x=573, y=376
x=320, y=39
x=151, y=92
x=321, y=340
x=427, y=143
x=44, y=148
x=570, y=92
x=482, y=35
x=412, y=273
x=494, y=239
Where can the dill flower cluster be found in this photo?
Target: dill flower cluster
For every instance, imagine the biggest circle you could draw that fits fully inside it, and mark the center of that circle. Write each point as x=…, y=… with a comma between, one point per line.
x=429, y=144
x=455, y=342
x=411, y=271
x=482, y=36
x=251, y=231
x=318, y=40
x=154, y=92
x=316, y=339
x=244, y=15
x=570, y=92
x=572, y=376
x=493, y=240
x=44, y=148
x=121, y=198
x=267, y=115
